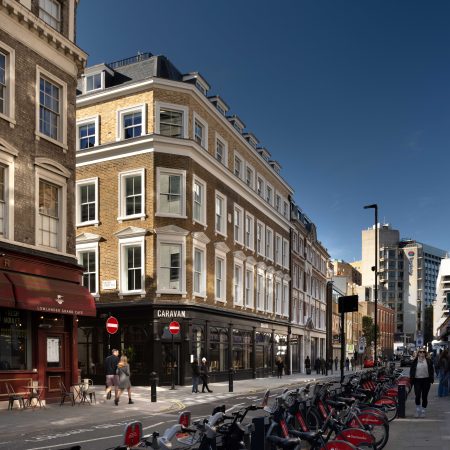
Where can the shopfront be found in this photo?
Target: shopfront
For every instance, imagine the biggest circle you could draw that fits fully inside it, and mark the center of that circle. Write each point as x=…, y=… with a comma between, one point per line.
x=226, y=340
x=38, y=322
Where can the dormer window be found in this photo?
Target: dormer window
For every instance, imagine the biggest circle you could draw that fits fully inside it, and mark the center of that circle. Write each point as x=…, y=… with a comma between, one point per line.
x=220, y=105
x=198, y=81
x=94, y=82
x=251, y=139
x=50, y=13
x=237, y=127
x=265, y=154
x=237, y=123
x=200, y=87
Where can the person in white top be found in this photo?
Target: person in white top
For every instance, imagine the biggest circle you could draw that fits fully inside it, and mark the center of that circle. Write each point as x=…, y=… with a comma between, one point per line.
x=422, y=376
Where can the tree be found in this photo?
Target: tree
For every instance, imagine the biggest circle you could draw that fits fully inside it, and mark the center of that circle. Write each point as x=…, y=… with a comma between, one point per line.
x=368, y=330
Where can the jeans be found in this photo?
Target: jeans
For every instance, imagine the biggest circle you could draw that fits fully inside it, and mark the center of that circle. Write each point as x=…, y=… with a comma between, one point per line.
x=443, y=384
x=195, y=383
x=421, y=389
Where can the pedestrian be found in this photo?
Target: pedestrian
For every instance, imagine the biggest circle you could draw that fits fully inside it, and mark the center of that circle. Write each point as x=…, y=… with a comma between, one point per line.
x=422, y=377
x=317, y=366
x=443, y=365
x=336, y=361
x=435, y=359
x=347, y=364
x=323, y=366
x=195, y=376
x=352, y=363
x=308, y=365
x=280, y=366
x=204, y=375
x=111, y=373
x=123, y=372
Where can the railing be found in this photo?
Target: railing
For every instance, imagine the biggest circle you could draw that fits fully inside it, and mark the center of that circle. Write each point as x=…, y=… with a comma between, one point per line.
x=134, y=59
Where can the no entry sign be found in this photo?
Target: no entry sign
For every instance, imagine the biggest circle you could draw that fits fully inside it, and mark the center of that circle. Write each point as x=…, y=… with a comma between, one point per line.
x=112, y=325
x=174, y=327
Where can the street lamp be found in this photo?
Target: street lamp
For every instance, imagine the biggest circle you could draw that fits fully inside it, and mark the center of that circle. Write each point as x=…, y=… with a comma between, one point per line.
x=375, y=269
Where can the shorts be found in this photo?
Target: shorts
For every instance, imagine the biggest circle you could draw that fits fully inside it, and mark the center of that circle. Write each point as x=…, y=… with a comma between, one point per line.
x=112, y=380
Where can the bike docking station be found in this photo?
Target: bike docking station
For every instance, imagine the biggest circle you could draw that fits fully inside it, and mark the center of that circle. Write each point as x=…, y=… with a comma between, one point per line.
x=346, y=304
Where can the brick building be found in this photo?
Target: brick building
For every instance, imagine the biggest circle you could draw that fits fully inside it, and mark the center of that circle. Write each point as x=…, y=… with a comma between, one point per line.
x=40, y=292
x=180, y=215
x=309, y=261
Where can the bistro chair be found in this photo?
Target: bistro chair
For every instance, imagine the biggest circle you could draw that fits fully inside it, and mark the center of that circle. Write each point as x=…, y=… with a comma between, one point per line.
x=66, y=394
x=15, y=397
x=88, y=389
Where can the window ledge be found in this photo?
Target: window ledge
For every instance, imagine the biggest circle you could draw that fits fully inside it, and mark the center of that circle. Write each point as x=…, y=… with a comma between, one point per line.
x=170, y=291
x=204, y=225
x=130, y=293
x=40, y=135
x=218, y=233
x=178, y=216
x=9, y=119
x=86, y=224
x=220, y=300
x=198, y=295
x=133, y=217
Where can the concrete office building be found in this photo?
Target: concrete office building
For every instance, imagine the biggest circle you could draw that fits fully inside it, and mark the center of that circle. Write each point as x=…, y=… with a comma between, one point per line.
x=441, y=305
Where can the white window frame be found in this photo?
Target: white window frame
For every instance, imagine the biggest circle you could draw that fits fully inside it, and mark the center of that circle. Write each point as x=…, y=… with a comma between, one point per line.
x=182, y=173
x=278, y=244
x=240, y=232
x=79, y=184
x=294, y=241
x=102, y=81
x=10, y=82
x=262, y=250
x=142, y=108
x=223, y=257
x=286, y=209
x=171, y=239
x=202, y=220
x=237, y=155
x=172, y=107
x=238, y=286
x=218, y=137
x=7, y=161
x=122, y=191
x=90, y=247
x=249, y=235
x=268, y=300
x=285, y=253
x=260, y=293
x=61, y=183
x=285, y=299
x=277, y=295
x=56, y=19
x=269, y=245
x=201, y=246
x=250, y=168
x=86, y=121
x=269, y=201
x=204, y=123
x=249, y=285
x=277, y=198
x=62, y=130
x=262, y=194
x=224, y=217
x=124, y=243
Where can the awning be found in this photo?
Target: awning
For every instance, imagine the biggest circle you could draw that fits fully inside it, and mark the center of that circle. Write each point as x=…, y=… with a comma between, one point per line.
x=6, y=292
x=51, y=296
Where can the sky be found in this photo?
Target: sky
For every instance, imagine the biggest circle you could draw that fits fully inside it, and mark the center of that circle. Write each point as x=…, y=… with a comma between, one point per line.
x=350, y=96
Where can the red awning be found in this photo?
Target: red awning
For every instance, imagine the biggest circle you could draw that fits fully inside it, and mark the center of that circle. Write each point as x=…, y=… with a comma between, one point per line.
x=52, y=296
x=6, y=292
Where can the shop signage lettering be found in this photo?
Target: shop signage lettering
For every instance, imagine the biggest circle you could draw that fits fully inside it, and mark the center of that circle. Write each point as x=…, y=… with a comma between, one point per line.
x=264, y=325
x=10, y=317
x=55, y=309
x=171, y=313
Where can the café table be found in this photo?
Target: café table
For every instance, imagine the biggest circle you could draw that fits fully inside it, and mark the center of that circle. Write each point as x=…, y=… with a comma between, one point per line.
x=36, y=392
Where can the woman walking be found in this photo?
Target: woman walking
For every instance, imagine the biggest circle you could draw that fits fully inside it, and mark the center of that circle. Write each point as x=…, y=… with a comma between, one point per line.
x=195, y=376
x=123, y=371
x=280, y=366
x=422, y=377
x=443, y=365
x=204, y=375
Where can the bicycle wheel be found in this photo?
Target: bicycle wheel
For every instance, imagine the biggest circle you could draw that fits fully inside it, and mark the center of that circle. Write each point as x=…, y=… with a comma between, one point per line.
x=313, y=419
x=375, y=424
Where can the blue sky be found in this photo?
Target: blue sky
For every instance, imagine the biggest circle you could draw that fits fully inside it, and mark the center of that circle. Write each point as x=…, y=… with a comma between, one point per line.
x=350, y=96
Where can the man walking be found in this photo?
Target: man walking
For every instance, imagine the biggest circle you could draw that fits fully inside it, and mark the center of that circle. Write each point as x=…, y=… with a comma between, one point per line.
x=112, y=379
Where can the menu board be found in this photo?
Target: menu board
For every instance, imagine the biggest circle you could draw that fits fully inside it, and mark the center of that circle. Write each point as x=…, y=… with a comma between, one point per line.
x=53, y=350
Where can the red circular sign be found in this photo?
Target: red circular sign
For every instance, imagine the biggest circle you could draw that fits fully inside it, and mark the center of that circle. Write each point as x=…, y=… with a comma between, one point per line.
x=112, y=325
x=174, y=327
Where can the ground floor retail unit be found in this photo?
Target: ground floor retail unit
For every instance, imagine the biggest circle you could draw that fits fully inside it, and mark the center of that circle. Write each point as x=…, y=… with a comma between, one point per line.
x=41, y=302
x=243, y=342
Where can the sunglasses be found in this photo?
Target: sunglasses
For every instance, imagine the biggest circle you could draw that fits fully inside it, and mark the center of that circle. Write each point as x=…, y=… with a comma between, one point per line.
x=421, y=351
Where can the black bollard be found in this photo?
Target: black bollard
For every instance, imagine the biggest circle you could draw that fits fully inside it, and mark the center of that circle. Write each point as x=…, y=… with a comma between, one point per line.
x=401, y=400
x=153, y=382
x=258, y=441
x=230, y=379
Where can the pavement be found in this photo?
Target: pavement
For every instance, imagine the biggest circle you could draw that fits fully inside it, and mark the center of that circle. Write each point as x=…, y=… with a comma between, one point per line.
x=431, y=432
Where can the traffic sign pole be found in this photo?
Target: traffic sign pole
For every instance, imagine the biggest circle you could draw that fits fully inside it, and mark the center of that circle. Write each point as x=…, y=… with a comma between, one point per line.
x=174, y=328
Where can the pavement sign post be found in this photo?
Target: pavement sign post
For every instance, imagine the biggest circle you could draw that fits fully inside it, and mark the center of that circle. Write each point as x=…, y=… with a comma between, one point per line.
x=174, y=328
x=112, y=327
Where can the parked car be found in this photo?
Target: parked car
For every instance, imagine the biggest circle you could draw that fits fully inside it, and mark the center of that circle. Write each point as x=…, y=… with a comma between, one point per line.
x=406, y=360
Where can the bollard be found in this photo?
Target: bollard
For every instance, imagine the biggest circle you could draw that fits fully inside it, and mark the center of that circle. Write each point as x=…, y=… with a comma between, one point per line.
x=258, y=441
x=230, y=379
x=401, y=400
x=153, y=382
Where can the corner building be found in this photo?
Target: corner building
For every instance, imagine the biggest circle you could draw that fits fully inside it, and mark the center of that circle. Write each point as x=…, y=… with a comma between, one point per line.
x=41, y=298
x=180, y=215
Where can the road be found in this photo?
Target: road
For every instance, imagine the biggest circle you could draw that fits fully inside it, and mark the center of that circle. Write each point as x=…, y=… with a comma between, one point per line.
x=109, y=433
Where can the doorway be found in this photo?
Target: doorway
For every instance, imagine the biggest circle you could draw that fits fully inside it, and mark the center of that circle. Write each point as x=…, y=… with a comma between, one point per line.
x=170, y=363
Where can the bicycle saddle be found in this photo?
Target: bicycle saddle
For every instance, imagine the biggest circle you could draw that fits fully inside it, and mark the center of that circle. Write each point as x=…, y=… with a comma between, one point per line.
x=287, y=443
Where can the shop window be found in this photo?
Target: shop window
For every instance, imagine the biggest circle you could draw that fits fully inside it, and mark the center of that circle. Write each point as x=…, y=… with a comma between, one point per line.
x=218, y=351
x=242, y=350
x=198, y=343
x=263, y=350
x=15, y=343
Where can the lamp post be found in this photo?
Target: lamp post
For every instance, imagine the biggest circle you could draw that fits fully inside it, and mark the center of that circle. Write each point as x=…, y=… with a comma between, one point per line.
x=375, y=269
